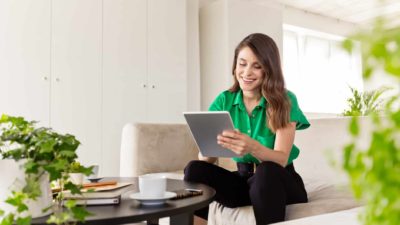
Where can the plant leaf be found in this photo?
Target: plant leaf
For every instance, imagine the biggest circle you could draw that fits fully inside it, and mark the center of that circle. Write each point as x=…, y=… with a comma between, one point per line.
x=353, y=126
x=24, y=220
x=80, y=213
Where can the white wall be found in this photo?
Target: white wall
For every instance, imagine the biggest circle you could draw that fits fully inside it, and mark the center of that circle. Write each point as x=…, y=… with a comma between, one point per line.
x=317, y=22
x=193, y=55
x=223, y=24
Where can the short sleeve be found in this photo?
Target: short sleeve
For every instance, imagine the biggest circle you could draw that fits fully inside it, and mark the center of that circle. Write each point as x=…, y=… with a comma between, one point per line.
x=296, y=115
x=218, y=103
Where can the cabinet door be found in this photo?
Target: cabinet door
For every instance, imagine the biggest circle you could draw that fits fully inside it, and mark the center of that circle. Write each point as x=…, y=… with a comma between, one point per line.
x=25, y=59
x=76, y=70
x=167, y=60
x=124, y=73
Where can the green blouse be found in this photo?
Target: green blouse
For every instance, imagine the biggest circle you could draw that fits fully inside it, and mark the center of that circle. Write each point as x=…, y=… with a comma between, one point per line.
x=255, y=125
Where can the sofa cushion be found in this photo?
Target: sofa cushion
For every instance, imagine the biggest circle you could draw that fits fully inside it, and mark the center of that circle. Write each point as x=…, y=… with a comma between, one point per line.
x=323, y=198
x=152, y=148
x=345, y=217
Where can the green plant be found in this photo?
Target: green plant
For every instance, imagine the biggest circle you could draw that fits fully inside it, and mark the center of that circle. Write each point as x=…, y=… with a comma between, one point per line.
x=375, y=170
x=76, y=167
x=42, y=151
x=365, y=103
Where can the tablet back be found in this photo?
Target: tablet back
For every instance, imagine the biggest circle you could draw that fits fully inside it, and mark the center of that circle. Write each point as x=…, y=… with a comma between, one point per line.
x=205, y=126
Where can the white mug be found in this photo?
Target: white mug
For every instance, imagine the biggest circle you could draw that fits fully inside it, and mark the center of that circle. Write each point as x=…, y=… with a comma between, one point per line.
x=152, y=185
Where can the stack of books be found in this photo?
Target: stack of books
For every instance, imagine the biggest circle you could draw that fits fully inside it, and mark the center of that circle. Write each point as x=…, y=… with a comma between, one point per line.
x=100, y=193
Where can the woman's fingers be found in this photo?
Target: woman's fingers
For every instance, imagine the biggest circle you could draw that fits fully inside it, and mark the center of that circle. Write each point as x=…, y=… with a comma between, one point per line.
x=236, y=146
x=230, y=133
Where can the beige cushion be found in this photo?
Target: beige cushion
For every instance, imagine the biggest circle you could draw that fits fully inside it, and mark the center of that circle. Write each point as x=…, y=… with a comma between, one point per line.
x=345, y=217
x=152, y=148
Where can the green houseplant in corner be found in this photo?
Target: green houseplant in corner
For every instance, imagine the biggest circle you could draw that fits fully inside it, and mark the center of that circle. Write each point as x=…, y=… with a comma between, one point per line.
x=374, y=171
x=42, y=155
x=365, y=103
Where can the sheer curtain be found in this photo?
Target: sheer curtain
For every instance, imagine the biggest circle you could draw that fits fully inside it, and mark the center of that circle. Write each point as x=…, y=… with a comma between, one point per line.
x=318, y=70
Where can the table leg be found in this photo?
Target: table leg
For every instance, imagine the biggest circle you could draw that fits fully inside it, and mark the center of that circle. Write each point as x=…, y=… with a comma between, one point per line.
x=152, y=222
x=182, y=219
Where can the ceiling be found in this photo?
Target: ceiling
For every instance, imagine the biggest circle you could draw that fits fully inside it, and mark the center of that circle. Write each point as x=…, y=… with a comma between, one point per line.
x=360, y=12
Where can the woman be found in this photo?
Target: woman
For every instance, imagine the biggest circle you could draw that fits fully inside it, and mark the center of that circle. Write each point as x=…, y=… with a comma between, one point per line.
x=266, y=116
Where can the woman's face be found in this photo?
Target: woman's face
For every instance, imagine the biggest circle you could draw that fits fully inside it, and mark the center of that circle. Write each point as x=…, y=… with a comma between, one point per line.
x=249, y=72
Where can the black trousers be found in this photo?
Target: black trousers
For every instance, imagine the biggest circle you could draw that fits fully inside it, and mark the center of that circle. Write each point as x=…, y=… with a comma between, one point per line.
x=268, y=190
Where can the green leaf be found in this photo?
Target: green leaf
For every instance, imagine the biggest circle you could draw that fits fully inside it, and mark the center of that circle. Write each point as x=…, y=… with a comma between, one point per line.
x=80, y=213
x=353, y=127
x=348, y=45
x=73, y=188
x=86, y=170
x=70, y=203
x=24, y=220
x=367, y=71
x=59, y=218
x=17, y=200
x=68, y=154
x=31, y=166
x=32, y=187
x=8, y=220
x=348, y=151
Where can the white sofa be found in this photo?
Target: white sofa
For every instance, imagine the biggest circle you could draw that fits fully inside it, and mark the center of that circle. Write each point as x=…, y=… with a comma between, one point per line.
x=154, y=148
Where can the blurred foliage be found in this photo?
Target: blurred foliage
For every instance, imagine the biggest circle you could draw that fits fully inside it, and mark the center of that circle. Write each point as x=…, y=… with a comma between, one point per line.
x=365, y=103
x=375, y=170
x=43, y=151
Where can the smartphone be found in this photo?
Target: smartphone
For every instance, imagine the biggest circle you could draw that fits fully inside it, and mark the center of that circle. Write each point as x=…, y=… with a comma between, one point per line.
x=187, y=192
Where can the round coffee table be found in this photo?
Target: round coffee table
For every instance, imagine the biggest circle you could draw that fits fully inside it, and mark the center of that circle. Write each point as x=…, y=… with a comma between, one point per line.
x=131, y=211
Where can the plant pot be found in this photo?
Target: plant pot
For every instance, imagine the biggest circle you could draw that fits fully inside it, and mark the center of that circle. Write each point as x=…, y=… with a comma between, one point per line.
x=13, y=178
x=76, y=178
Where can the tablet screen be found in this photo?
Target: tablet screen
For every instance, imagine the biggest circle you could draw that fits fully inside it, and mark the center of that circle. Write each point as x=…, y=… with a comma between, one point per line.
x=205, y=127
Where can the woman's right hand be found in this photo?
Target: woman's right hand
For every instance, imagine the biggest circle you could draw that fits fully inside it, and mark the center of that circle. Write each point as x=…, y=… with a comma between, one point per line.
x=207, y=159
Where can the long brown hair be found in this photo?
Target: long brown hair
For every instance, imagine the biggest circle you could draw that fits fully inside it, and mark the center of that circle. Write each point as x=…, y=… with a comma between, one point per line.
x=273, y=85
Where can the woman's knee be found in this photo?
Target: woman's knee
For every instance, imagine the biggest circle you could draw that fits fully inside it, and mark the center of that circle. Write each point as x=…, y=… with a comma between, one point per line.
x=194, y=169
x=268, y=170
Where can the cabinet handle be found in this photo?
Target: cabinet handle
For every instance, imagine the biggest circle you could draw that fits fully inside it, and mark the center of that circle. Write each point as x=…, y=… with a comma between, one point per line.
x=144, y=85
x=153, y=86
x=45, y=78
x=58, y=79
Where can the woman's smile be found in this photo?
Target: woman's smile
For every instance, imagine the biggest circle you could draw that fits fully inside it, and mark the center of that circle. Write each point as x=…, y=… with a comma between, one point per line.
x=248, y=80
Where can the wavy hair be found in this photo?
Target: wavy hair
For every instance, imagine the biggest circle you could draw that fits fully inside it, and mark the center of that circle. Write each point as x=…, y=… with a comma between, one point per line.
x=273, y=85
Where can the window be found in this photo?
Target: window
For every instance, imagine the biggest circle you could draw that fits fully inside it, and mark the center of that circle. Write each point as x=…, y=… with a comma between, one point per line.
x=318, y=70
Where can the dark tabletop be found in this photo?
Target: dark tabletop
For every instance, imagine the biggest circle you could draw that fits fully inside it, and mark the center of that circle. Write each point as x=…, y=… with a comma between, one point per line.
x=130, y=211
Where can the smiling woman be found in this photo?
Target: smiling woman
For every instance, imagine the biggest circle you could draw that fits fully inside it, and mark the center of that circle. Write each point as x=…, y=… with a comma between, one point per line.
x=265, y=116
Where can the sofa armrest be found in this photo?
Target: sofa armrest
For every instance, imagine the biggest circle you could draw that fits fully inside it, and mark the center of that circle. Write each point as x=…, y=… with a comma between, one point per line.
x=152, y=148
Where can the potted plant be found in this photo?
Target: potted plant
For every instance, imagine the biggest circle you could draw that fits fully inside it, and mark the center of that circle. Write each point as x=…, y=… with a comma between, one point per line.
x=374, y=171
x=365, y=103
x=37, y=156
x=77, y=172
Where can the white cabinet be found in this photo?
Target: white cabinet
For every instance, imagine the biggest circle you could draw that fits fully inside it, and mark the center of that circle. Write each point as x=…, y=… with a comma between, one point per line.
x=50, y=67
x=167, y=60
x=124, y=74
x=89, y=67
x=76, y=56
x=223, y=24
x=144, y=68
x=25, y=59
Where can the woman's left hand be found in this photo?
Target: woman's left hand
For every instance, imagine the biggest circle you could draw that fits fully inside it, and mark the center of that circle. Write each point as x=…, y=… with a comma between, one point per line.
x=237, y=142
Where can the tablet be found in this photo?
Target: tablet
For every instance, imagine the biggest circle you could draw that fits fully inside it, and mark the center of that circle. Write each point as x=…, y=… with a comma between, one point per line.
x=205, y=127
